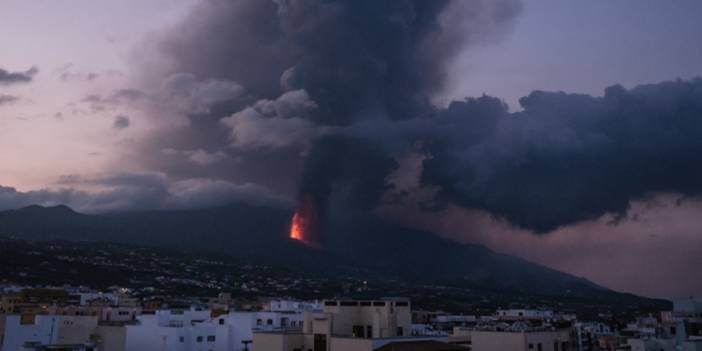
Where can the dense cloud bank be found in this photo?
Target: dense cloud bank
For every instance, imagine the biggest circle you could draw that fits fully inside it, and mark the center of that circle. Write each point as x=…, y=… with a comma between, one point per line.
x=567, y=157
x=327, y=99
x=313, y=78
x=139, y=191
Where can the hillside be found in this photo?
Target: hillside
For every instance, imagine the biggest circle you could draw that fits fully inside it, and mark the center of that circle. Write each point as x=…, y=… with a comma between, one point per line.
x=359, y=246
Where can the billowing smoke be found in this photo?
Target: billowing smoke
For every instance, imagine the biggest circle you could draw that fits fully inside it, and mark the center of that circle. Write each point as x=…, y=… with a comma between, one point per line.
x=356, y=59
x=568, y=158
x=314, y=79
x=323, y=100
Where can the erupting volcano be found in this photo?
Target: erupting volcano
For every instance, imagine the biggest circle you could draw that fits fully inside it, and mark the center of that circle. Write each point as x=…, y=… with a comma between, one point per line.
x=304, y=225
x=297, y=227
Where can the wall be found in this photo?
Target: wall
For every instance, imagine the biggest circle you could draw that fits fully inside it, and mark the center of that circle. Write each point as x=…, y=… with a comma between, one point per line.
x=277, y=341
x=111, y=338
x=351, y=344
x=498, y=341
x=76, y=329
x=16, y=334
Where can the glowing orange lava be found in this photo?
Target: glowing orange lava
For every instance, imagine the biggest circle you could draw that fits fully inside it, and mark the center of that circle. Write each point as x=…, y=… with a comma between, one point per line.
x=297, y=227
x=304, y=225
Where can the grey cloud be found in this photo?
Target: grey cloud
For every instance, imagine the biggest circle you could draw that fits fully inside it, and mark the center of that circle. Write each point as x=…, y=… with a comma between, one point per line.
x=195, y=96
x=127, y=95
x=364, y=72
x=11, y=198
x=121, y=122
x=204, y=158
x=9, y=78
x=354, y=61
x=139, y=191
x=199, y=156
x=568, y=158
x=92, y=98
x=67, y=75
x=275, y=123
x=7, y=99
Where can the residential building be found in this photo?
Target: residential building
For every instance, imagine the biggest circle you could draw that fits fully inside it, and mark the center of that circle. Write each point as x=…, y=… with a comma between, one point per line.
x=352, y=325
x=45, y=330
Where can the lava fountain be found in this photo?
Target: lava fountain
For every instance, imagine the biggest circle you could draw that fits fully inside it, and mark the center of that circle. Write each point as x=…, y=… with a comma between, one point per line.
x=297, y=227
x=304, y=225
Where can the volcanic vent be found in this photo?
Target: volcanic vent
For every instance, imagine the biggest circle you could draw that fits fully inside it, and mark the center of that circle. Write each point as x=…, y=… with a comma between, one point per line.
x=304, y=225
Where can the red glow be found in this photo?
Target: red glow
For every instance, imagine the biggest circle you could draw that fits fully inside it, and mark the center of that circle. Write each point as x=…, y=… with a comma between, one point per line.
x=296, y=229
x=303, y=226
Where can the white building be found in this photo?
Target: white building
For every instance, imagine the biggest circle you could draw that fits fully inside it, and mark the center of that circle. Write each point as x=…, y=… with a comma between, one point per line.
x=196, y=330
x=47, y=330
x=350, y=325
x=294, y=306
x=679, y=330
x=519, y=336
x=172, y=330
x=528, y=340
x=515, y=314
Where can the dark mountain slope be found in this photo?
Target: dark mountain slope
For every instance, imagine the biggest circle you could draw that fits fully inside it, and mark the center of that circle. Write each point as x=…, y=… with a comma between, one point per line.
x=362, y=245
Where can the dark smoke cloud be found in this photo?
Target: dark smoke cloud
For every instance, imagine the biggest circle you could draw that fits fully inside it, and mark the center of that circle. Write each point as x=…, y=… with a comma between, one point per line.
x=356, y=59
x=9, y=78
x=327, y=97
x=352, y=170
x=306, y=70
x=567, y=157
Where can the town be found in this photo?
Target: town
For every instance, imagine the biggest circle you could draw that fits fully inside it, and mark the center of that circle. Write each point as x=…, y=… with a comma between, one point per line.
x=80, y=319
x=80, y=296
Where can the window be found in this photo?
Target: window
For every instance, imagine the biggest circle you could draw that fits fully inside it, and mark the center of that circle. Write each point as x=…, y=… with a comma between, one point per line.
x=369, y=331
x=181, y=339
x=221, y=321
x=399, y=331
x=199, y=339
x=365, y=303
x=357, y=331
x=672, y=330
x=539, y=347
x=320, y=342
x=210, y=338
x=378, y=303
x=401, y=303
x=269, y=322
x=531, y=346
x=555, y=346
x=349, y=303
x=259, y=322
x=330, y=303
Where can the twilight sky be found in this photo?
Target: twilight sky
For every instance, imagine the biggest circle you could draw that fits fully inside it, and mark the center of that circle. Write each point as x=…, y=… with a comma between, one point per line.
x=121, y=105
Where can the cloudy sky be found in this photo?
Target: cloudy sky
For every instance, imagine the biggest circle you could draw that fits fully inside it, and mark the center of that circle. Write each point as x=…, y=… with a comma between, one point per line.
x=579, y=148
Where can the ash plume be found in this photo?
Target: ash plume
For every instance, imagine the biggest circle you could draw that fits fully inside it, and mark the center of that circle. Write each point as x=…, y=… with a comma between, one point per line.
x=325, y=98
x=311, y=74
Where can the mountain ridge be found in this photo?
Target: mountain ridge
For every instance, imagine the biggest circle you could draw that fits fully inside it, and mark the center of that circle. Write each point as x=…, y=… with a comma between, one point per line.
x=360, y=245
